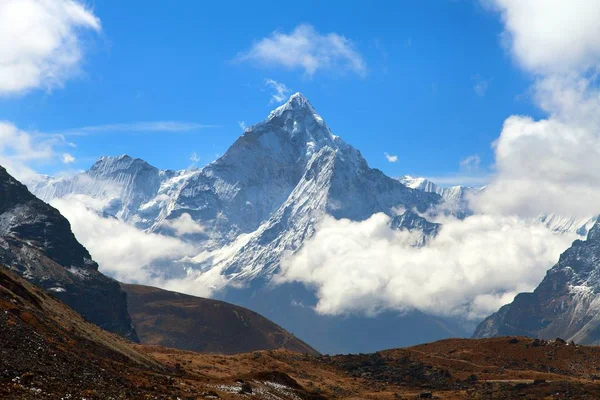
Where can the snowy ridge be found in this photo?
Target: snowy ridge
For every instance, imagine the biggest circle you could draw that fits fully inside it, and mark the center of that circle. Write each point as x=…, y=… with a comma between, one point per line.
x=456, y=202
x=261, y=199
x=456, y=198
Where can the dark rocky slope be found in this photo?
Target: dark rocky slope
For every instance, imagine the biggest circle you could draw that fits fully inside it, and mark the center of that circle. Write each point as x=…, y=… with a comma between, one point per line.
x=36, y=241
x=566, y=304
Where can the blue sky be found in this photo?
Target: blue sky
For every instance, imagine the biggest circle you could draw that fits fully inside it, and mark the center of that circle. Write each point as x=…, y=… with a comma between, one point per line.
x=434, y=86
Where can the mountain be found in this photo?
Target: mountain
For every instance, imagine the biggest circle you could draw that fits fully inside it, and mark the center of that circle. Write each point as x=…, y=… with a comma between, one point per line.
x=456, y=202
x=566, y=303
x=271, y=185
x=37, y=242
x=185, y=322
x=456, y=198
x=411, y=221
x=47, y=350
x=258, y=202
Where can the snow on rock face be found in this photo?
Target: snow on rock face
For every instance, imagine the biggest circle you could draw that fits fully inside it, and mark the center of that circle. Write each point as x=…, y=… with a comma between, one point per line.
x=268, y=189
x=456, y=198
x=456, y=202
x=566, y=303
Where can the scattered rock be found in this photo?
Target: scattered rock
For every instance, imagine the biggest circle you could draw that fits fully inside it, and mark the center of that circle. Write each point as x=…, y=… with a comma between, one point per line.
x=513, y=341
x=246, y=388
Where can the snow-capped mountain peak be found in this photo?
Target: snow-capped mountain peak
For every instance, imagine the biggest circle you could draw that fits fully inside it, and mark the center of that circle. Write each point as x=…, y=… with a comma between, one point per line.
x=272, y=185
x=296, y=103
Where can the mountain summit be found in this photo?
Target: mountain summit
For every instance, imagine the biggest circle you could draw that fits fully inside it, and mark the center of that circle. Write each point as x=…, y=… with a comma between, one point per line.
x=262, y=199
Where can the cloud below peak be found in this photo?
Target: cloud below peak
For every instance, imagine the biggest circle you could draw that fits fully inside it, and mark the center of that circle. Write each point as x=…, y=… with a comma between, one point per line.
x=469, y=270
x=305, y=48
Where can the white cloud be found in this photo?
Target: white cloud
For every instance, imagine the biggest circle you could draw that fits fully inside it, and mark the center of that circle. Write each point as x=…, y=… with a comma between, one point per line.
x=152, y=126
x=391, y=158
x=183, y=225
x=307, y=49
x=242, y=125
x=469, y=270
x=470, y=163
x=480, y=86
x=280, y=93
x=194, y=158
x=550, y=165
x=553, y=36
x=129, y=254
x=67, y=158
x=40, y=42
x=19, y=150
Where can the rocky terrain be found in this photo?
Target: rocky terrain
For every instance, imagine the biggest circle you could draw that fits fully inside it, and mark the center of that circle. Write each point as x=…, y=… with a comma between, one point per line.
x=185, y=322
x=48, y=351
x=36, y=241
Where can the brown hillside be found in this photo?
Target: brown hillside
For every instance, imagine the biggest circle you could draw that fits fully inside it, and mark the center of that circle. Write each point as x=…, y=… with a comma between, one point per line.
x=185, y=322
x=47, y=350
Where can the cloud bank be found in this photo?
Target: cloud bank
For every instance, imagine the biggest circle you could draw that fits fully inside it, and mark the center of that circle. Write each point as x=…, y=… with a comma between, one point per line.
x=41, y=42
x=469, y=270
x=131, y=255
x=544, y=166
x=550, y=165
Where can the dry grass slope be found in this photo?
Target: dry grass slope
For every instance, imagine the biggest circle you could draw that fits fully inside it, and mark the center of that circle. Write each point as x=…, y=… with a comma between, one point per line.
x=48, y=351
x=204, y=325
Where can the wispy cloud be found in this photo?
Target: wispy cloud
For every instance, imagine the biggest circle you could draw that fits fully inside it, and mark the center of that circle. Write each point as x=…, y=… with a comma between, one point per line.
x=480, y=86
x=194, y=158
x=152, y=126
x=21, y=150
x=305, y=48
x=471, y=163
x=391, y=158
x=242, y=125
x=280, y=91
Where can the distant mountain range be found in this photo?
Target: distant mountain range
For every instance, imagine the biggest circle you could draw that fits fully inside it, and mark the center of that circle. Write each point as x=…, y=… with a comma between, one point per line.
x=37, y=243
x=262, y=199
x=456, y=201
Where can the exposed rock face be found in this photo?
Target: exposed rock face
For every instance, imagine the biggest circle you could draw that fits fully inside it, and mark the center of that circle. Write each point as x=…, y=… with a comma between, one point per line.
x=37, y=242
x=566, y=304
